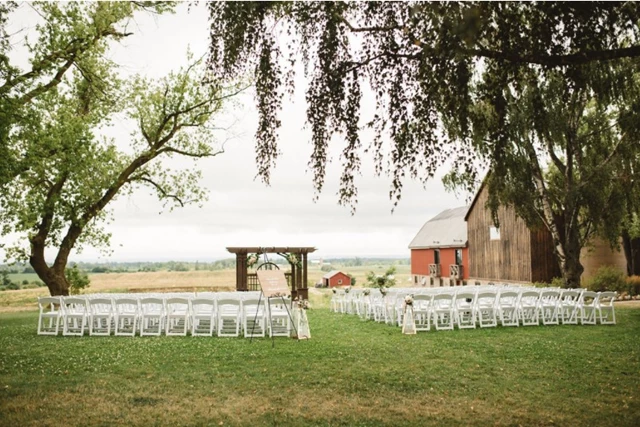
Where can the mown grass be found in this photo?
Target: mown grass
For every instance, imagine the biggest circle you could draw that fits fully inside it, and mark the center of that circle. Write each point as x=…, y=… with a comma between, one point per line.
x=350, y=373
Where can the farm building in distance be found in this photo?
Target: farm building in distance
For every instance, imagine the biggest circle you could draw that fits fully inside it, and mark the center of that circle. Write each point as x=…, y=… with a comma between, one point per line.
x=335, y=278
x=439, y=252
x=463, y=245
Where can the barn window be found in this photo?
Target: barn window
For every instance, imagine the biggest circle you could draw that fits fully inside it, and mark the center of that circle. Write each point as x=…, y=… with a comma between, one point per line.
x=494, y=233
x=339, y=281
x=436, y=256
x=458, y=256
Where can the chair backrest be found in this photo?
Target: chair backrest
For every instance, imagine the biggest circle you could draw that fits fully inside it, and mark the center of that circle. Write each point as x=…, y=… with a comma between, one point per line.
x=74, y=304
x=465, y=297
x=606, y=298
x=179, y=303
x=229, y=302
x=589, y=298
x=202, y=305
x=49, y=303
x=529, y=297
x=100, y=305
x=486, y=297
x=570, y=296
x=253, y=303
x=151, y=305
x=126, y=305
x=550, y=295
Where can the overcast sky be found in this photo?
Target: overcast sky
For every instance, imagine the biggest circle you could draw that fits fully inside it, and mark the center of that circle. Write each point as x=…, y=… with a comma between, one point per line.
x=241, y=210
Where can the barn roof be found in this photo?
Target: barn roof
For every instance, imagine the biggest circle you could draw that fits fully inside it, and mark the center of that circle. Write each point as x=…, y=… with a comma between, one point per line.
x=445, y=230
x=332, y=273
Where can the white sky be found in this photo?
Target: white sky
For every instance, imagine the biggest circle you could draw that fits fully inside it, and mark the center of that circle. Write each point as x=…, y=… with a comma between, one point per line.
x=243, y=211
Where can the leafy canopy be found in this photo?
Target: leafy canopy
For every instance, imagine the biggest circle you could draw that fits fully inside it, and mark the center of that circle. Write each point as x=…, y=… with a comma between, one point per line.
x=445, y=76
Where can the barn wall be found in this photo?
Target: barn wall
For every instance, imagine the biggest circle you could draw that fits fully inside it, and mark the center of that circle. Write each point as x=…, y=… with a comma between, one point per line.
x=335, y=279
x=544, y=265
x=507, y=259
x=420, y=260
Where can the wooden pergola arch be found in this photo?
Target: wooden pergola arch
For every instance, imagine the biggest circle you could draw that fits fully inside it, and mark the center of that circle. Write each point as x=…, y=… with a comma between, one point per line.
x=297, y=277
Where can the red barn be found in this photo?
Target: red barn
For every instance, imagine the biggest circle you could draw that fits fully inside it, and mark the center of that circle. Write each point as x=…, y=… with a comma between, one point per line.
x=439, y=252
x=335, y=278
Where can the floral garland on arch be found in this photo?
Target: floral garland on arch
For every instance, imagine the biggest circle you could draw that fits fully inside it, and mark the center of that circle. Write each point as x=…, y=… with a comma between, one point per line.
x=252, y=260
x=293, y=259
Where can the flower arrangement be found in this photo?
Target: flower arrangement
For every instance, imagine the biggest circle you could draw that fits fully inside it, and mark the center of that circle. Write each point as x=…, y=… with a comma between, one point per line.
x=253, y=260
x=334, y=290
x=366, y=292
x=293, y=259
x=383, y=291
x=347, y=289
x=408, y=300
x=303, y=304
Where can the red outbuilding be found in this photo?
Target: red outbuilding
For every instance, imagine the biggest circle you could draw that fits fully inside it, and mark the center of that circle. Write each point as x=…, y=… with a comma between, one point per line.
x=335, y=278
x=439, y=252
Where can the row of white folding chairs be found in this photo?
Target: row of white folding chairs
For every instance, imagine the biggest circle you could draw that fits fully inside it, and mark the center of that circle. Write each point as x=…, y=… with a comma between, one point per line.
x=228, y=314
x=486, y=307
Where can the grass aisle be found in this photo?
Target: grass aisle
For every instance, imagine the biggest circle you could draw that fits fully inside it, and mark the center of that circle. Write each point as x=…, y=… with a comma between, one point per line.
x=351, y=373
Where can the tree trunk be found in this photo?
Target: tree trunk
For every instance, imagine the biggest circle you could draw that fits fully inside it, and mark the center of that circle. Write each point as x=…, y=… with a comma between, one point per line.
x=572, y=269
x=55, y=281
x=631, y=248
x=54, y=278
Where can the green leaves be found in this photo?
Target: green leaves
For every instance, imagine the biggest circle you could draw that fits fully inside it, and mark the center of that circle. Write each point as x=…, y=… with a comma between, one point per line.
x=67, y=173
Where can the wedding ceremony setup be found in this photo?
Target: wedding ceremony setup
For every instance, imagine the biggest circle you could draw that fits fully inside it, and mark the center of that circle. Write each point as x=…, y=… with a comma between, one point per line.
x=221, y=314
x=468, y=307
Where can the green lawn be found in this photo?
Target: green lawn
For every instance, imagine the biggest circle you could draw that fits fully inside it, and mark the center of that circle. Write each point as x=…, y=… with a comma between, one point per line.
x=350, y=373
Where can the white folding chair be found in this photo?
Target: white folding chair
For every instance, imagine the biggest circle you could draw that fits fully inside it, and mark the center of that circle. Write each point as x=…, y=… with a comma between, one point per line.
x=203, y=316
x=152, y=316
x=606, y=311
x=254, y=317
x=443, y=311
x=74, y=316
x=549, y=306
x=508, y=305
x=50, y=315
x=422, y=311
x=100, y=316
x=486, y=309
x=229, y=316
x=465, y=309
x=126, y=316
x=588, y=304
x=568, y=308
x=528, y=308
x=279, y=317
x=176, y=316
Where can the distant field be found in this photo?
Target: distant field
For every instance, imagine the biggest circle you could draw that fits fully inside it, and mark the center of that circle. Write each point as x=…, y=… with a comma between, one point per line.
x=166, y=281
x=29, y=277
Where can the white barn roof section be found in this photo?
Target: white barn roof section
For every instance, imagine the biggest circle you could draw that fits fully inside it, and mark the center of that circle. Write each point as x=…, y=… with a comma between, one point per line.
x=445, y=230
x=330, y=274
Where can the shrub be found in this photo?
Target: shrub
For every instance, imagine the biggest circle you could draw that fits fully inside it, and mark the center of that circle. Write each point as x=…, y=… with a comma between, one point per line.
x=608, y=279
x=78, y=279
x=13, y=286
x=557, y=282
x=326, y=268
x=633, y=285
x=353, y=279
x=386, y=280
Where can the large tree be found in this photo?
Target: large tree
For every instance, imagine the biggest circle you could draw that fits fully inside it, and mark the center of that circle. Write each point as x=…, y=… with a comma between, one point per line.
x=512, y=85
x=71, y=170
